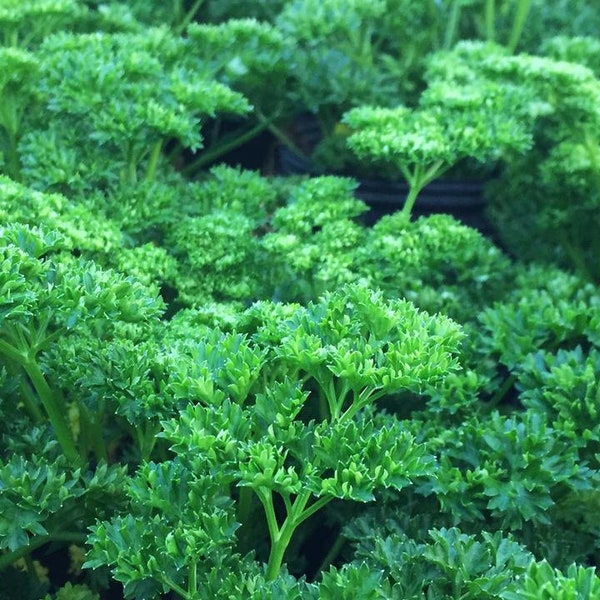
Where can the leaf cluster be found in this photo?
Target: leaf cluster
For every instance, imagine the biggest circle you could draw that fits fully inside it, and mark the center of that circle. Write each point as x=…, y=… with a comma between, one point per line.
x=222, y=385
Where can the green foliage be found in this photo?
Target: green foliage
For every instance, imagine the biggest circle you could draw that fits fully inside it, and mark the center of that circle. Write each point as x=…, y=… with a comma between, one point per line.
x=18, y=583
x=314, y=238
x=165, y=544
x=297, y=415
x=344, y=54
x=352, y=581
x=564, y=386
x=457, y=118
x=509, y=469
x=222, y=10
x=243, y=52
x=136, y=92
x=219, y=251
x=73, y=592
x=446, y=563
x=558, y=181
x=39, y=495
x=560, y=312
x=436, y=262
x=81, y=230
x=542, y=581
x=565, y=17
x=580, y=49
x=42, y=301
x=32, y=492
x=247, y=429
x=18, y=69
x=24, y=22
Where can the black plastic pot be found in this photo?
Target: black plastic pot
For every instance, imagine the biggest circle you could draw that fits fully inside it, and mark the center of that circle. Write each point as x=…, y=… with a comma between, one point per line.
x=464, y=199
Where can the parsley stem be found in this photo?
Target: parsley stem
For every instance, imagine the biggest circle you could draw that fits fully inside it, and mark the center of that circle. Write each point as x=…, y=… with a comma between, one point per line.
x=212, y=154
x=153, y=161
x=193, y=578
x=176, y=588
x=91, y=437
x=266, y=498
x=452, y=24
x=413, y=192
x=30, y=401
x=283, y=535
x=490, y=20
x=188, y=18
x=9, y=558
x=55, y=409
x=14, y=361
x=419, y=178
x=521, y=13
x=13, y=162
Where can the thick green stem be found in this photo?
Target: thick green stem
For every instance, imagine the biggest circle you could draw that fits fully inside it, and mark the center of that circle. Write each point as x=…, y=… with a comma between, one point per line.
x=266, y=498
x=521, y=13
x=12, y=353
x=30, y=401
x=328, y=387
x=153, y=161
x=13, y=163
x=419, y=178
x=13, y=361
x=316, y=506
x=53, y=405
x=452, y=24
x=55, y=409
x=281, y=536
x=193, y=579
x=490, y=20
x=341, y=395
x=414, y=190
x=278, y=548
x=129, y=173
x=11, y=106
x=177, y=588
x=367, y=396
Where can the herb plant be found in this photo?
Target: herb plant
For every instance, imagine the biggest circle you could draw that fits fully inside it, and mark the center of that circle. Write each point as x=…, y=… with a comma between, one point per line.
x=216, y=383
x=252, y=424
x=452, y=123
x=563, y=157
